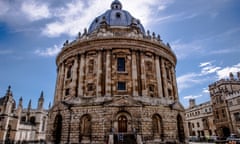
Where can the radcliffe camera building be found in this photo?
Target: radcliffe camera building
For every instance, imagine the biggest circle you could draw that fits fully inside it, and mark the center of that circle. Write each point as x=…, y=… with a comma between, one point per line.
x=116, y=82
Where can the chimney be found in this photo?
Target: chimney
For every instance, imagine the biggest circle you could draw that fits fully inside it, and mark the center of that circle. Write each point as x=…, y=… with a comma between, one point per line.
x=231, y=76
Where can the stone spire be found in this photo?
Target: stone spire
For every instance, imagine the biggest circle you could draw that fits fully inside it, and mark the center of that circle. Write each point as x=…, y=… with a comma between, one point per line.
x=29, y=105
x=19, y=108
x=41, y=101
x=20, y=102
x=49, y=106
x=9, y=92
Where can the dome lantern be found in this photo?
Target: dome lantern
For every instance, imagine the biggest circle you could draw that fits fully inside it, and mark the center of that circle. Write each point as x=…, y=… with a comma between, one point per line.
x=116, y=4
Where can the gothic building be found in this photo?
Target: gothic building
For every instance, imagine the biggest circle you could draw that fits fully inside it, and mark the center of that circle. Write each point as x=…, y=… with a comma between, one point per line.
x=225, y=97
x=20, y=124
x=116, y=82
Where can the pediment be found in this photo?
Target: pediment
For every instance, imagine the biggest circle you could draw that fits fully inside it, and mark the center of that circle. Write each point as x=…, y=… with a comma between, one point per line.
x=177, y=106
x=123, y=101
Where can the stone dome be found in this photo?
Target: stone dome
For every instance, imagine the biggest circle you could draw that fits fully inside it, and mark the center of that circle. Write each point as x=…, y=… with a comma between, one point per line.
x=116, y=17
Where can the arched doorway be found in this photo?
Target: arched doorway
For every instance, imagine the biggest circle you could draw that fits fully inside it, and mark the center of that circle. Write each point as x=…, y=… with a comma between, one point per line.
x=225, y=131
x=122, y=124
x=57, y=129
x=180, y=127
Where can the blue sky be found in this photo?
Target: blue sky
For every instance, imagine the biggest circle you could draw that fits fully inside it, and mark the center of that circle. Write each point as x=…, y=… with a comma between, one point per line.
x=204, y=34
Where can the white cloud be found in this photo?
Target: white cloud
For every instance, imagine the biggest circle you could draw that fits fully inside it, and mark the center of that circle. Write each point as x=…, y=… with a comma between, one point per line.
x=208, y=73
x=203, y=64
x=189, y=80
x=192, y=96
x=184, y=50
x=52, y=51
x=77, y=15
x=205, y=90
x=224, y=73
x=35, y=10
x=208, y=69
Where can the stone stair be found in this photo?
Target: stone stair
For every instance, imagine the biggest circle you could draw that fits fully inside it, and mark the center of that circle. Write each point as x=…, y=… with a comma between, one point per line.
x=124, y=138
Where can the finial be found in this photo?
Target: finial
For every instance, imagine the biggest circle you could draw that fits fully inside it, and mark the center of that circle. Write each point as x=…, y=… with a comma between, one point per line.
x=168, y=45
x=79, y=34
x=49, y=106
x=29, y=104
x=154, y=35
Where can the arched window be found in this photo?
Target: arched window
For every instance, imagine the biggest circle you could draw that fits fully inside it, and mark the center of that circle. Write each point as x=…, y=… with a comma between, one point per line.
x=85, y=125
x=33, y=120
x=157, y=126
x=57, y=129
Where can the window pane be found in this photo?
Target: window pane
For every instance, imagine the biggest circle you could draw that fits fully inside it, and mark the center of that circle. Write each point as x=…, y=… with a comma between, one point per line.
x=121, y=86
x=121, y=64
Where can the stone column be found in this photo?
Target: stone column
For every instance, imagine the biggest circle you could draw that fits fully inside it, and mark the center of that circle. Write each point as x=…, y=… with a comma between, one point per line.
x=60, y=82
x=108, y=74
x=164, y=78
x=134, y=75
x=143, y=75
x=159, y=77
x=74, y=77
x=99, y=74
x=63, y=80
x=81, y=76
x=57, y=87
x=174, y=81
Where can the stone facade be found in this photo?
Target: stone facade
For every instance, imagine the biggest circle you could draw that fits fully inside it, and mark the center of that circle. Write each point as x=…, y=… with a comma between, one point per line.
x=200, y=120
x=19, y=124
x=222, y=94
x=116, y=80
x=233, y=101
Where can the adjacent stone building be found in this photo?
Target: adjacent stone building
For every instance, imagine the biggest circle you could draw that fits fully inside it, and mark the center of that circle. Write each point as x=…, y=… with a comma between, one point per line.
x=221, y=115
x=225, y=102
x=116, y=82
x=200, y=120
x=19, y=124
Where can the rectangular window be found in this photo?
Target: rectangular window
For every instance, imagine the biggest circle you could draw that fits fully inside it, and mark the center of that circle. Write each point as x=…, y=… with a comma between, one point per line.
x=90, y=87
x=121, y=64
x=237, y=117
x=67, y=92
x=198, y=125
x=121, y=86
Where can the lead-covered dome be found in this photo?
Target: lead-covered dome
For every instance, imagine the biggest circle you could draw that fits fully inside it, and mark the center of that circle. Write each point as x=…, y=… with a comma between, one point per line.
x=116, y=17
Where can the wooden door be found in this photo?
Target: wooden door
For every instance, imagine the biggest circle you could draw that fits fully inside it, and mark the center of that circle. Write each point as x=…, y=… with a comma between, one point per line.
x=122, y=124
